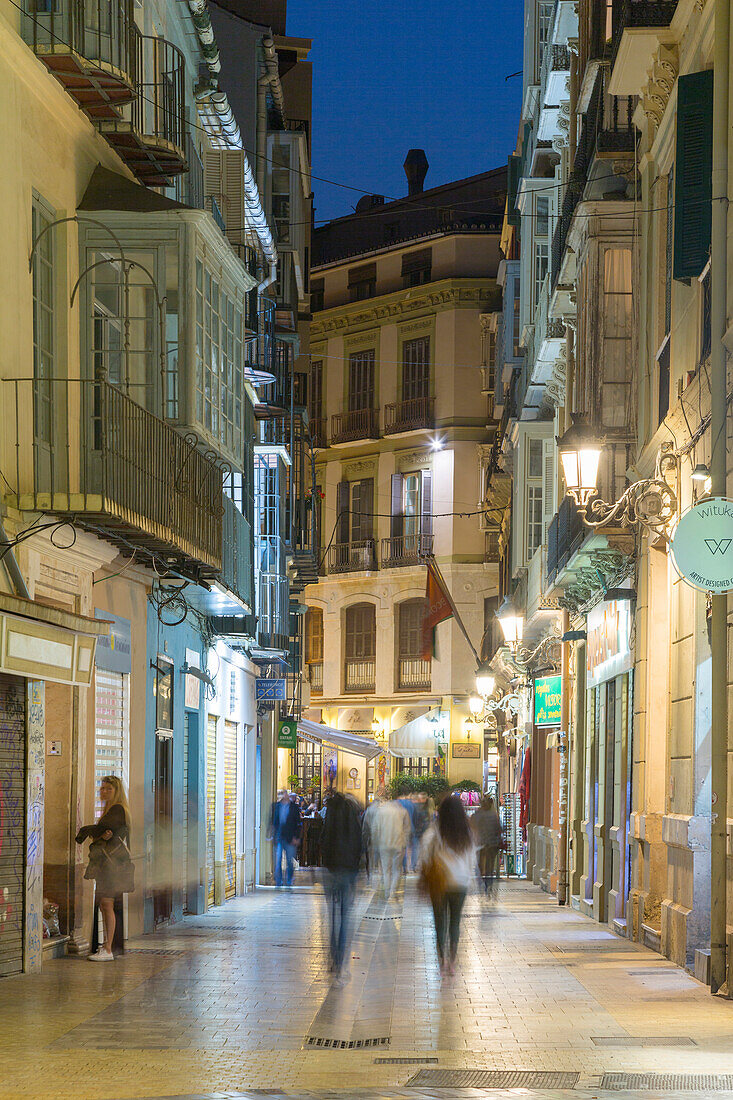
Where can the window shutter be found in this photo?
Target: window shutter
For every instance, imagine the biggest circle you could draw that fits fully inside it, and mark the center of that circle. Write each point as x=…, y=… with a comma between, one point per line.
x=342, y=512
x=693, y=169
x=548, y=486
x=362, y=526
x=426, y=527
x=396, y=525
x=513, y=177
x=213, y=183
x=417, y=261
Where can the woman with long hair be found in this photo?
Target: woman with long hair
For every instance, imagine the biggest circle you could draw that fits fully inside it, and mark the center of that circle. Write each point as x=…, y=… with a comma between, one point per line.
x=448, y=861
x=104, y=866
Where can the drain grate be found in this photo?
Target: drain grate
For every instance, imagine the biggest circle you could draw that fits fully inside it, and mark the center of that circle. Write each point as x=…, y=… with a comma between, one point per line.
x=405, y=1061
x=344, y=1044
x=643, y=1041
x=668, y=1082
x=494, y=1079
x=170, y=952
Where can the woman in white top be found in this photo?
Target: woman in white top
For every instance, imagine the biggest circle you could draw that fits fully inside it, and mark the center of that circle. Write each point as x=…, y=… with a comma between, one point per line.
x=450, y=841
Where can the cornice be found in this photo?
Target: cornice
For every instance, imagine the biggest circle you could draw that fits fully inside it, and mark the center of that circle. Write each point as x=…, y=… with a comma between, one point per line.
x=445, y=294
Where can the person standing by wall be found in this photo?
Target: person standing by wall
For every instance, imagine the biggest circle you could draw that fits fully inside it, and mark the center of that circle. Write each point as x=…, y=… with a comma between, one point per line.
x=447, y=868
x=341, y=846
x=285, y=828
x=110, y=864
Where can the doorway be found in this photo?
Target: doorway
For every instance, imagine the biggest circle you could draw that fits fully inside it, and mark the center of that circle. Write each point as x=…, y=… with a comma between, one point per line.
x=163, y=892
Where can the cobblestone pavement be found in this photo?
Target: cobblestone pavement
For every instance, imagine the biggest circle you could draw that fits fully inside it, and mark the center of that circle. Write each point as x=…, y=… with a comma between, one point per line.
x=239, y=1003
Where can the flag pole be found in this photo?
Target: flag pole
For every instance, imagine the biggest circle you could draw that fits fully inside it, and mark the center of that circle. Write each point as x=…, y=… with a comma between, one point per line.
x=432, y=564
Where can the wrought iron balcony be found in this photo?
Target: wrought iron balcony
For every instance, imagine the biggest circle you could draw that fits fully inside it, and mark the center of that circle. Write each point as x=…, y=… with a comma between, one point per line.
x=405, y=550
x=352, y=557
x=89, y=46
x=315, y=675
x=357, y=424
x=409, y=416
x=272, y=593
x=237, y=566
x=151, y=138
x=319, y=431
x=360, y=674
x=638, y=15
x=564, y=536
x=413, y=673
x=87, y=450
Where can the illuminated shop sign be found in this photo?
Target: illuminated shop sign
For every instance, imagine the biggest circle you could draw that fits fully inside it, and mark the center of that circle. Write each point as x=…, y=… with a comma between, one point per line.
x=547, y=700
x=607, y=647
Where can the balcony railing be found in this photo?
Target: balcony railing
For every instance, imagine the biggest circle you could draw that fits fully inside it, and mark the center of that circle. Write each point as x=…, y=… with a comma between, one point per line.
x=636, y=14
x=88, y=45
x=360, y=674
x=405, y=550
x=315, y=674
x=319, y=431
x=413, y=673
x=354, y=557
x=564, y=536
x=214, y=204
x=273, y=594
x=358, y=424
x=408, y=416
x=151, y=139
x=236, y=570
x=87, y=449
x=260, y=355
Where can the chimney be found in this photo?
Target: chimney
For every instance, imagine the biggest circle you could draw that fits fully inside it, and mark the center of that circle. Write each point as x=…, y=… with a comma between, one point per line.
x=416, y=169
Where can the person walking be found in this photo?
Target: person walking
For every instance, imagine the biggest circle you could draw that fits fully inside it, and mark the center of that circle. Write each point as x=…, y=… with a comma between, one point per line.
x=110, y=863
x=367, y=833
x=391, y=831
x=447, y=868
x=341, y=846
x=286, y=823
x=487, y=832
x=420, y=822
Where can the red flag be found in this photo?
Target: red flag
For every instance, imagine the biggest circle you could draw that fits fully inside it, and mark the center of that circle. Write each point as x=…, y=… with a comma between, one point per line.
x=437, y=608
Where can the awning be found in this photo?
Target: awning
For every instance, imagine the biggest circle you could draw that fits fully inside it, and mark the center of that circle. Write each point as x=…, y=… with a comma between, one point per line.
x=46, y=643
x=349, y=742
x=418, y=737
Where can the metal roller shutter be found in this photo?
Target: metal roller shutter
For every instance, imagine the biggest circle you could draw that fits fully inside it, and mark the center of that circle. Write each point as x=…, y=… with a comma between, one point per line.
x=12, y=822
x=210, y=807
x=230, y=809
x=111, y=727
x=185, y=809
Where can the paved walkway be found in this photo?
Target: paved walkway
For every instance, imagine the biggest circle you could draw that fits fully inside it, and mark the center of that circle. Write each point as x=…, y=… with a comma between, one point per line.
x=239, y=1003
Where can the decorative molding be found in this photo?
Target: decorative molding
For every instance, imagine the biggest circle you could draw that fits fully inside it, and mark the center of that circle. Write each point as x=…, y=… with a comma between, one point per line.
x=368, y=338
x=662, y=76
x=363, y=466
x=410, y=303
x=409, y=459
x=426, y=325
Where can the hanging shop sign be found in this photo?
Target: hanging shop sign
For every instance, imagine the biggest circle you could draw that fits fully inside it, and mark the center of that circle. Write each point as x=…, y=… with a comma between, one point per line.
x=702, y=545
x=607, y=647
x=114, y=651
x=547, y=700
x=267, y=687
x=287, y=733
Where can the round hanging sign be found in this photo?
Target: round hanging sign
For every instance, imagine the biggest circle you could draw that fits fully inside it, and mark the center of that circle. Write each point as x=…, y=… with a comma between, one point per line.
x=702, y=545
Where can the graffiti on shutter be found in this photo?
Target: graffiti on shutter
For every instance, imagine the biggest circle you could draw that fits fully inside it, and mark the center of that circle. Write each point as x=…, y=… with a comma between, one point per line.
x=12, y=822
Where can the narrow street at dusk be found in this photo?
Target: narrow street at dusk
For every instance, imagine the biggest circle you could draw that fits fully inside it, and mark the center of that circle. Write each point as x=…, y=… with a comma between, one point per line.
x=240, y=1002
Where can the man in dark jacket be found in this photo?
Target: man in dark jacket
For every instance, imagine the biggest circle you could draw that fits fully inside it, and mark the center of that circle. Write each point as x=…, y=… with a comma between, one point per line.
x=286, y=824
x=340, y=856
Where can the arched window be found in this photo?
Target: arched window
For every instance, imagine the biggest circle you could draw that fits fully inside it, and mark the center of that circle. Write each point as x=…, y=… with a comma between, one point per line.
x=360, y=647
x=314, y=647
x=412, y=671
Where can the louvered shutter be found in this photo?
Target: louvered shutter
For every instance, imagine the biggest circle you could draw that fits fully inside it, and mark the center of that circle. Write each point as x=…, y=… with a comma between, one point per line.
x=426, y=518
x=548, y=486
x=233, y=191
x=213, y=184
x=396, y=523
x=367, y=508
x=693, y=168
x=342, y=512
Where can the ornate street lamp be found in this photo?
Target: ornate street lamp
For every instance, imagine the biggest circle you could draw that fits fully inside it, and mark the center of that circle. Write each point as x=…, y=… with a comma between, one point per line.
x=485, y=681
x=511, y=622
x=650, y=501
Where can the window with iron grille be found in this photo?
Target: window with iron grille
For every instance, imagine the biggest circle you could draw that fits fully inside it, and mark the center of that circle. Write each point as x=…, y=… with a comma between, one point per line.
x=361, y=631
x=313, y=635
x=361, y=380
x=416, y=369
x=43, y=325
x=410, y=628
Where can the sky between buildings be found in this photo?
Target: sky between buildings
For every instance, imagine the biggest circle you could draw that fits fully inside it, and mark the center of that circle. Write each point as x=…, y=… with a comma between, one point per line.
x=390, y=75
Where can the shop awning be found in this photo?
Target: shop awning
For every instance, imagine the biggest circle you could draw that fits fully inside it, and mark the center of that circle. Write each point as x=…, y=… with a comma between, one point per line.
x=418, y=737
x=349, y=742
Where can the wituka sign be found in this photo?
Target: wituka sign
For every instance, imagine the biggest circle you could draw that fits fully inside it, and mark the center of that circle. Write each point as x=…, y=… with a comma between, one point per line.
x=702, y=545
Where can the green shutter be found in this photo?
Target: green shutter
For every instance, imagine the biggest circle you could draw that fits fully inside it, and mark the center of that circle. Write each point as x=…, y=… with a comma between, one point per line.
x=693, y=169
x=513, y=177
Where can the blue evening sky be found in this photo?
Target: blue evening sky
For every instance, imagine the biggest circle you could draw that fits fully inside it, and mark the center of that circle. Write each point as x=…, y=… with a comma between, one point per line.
x=389, y=75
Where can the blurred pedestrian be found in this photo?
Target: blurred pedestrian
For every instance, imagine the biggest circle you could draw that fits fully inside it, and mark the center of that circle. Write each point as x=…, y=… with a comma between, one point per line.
x=447, y=868
x=420, y=822
x=341, y=855
x=110, y=863
x=285, y=830
x=391, y=832
x=368, y=820
x=487, y=832
x=409, y=863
